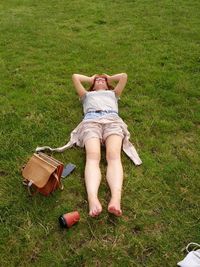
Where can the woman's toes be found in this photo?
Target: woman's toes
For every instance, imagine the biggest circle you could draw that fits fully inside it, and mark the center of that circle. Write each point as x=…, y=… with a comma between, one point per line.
x=114, y=209
x=95, y=207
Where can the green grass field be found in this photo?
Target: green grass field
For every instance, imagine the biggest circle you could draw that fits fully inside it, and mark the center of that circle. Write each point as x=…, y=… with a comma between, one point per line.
x=157, y=43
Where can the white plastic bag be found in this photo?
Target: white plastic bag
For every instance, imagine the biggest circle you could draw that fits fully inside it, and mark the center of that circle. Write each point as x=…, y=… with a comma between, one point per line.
x=193, y=257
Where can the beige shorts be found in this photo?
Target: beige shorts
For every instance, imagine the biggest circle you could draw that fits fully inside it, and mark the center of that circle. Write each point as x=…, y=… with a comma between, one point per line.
x=100, y=130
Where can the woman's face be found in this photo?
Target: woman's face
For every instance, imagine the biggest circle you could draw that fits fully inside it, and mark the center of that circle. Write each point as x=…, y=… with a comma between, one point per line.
x=100, y=84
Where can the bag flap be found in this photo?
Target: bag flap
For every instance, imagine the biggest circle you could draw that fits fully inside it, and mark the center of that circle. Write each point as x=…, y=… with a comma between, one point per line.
x=49, y=159
x=54, y=162
x=38, y=171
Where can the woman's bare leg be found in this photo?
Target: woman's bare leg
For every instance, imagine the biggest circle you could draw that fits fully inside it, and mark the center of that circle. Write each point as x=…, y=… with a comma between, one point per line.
x=93, y=175
x=114, y=173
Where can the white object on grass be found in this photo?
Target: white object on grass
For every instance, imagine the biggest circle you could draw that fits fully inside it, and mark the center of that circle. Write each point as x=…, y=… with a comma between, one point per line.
x=193, y=257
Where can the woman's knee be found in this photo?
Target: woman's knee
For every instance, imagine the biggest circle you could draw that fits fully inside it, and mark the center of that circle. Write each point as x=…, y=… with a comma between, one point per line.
x=113, y=154
x=113, y=147
x=93, y=150
x=93, y=155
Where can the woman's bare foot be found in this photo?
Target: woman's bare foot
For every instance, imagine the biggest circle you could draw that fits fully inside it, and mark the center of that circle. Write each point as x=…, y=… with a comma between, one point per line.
x=114, y=207
x=95, y=207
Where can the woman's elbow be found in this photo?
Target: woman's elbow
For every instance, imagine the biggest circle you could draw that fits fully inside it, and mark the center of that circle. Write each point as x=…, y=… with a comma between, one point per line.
x=74, y=76
x=124, y=76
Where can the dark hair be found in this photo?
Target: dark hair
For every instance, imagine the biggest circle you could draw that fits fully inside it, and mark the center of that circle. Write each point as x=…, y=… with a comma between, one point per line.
x=110, y=87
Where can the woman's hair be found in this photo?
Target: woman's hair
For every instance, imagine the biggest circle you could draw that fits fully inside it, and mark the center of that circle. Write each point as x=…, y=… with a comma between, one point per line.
x=110, y=87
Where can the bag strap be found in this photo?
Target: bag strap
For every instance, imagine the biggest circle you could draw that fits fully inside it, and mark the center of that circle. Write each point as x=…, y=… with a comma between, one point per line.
x=60, y=184
x=58, y=149
x=29, y=187
x=193, y=244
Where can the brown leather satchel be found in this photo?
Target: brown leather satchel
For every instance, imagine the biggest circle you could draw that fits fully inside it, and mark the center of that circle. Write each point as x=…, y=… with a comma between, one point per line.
x=42, y=174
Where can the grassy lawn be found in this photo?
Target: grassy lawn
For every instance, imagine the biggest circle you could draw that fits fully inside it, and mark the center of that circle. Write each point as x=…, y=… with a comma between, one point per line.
x=157, y=43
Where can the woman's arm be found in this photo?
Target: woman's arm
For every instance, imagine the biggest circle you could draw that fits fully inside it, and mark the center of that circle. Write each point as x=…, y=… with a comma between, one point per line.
x=121, y=78
x=78, y=79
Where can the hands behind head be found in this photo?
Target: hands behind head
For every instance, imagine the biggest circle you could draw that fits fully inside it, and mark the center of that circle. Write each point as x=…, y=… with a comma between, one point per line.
x=92, y=78
x=104, y=74
x=107, y=76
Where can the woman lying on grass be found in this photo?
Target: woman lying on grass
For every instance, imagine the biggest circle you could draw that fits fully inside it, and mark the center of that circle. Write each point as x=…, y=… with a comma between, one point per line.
x=101, y=125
